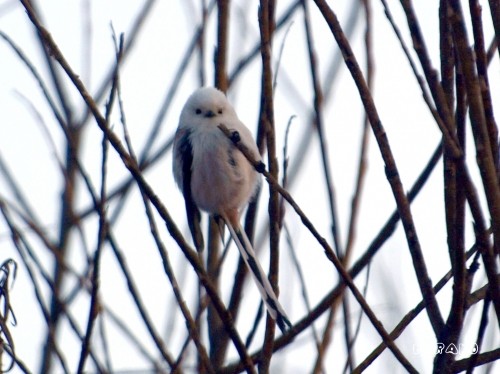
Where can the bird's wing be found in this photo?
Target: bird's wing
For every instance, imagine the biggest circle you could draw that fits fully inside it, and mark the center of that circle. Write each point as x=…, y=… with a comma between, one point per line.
x=183, y=157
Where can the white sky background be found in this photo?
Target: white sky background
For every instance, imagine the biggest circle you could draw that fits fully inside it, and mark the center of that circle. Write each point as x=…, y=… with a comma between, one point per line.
x=145, y=78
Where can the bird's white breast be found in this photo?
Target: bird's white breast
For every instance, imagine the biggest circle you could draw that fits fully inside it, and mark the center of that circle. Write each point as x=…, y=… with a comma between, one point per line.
x=222, y=178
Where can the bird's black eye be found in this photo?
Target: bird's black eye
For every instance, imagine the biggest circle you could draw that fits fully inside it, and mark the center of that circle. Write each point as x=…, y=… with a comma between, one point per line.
x=219, y=111
x=198, y=111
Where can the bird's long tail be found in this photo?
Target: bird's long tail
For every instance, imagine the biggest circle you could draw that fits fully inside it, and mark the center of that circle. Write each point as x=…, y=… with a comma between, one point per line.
x=268, y=296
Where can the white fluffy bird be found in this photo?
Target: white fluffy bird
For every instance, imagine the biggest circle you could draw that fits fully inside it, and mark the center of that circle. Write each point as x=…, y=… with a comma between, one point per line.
x=215, y=176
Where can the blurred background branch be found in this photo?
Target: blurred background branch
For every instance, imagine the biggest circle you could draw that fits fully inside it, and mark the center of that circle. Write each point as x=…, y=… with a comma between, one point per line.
x=106, y=278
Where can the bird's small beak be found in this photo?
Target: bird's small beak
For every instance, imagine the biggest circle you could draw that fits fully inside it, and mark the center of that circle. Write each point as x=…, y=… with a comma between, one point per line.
x=209, y=114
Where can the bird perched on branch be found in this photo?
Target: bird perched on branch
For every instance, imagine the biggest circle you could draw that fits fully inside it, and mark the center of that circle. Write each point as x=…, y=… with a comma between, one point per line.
x=215, y=177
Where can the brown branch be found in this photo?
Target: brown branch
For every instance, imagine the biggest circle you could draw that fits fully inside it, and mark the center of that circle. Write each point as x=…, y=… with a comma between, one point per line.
x=125, y=328
x=446, y=117
x=330, y=190
x=133, y=168
x=95, y=307
x=406, y=320
x=126, y=272
x=220, y=80
x=495, y=15
x=266, y=122
x=454, y=197
x=259, y=166
x=356, y=200
x=218, y=339
x=391, y=170
x=482, y=73
x=132, y=37
x=385, y=233
x=480, y=334
x=147, y=159
x=480, y=359
x=169, y=271
x=484, y=156
x=254, y=52
x=22, y=245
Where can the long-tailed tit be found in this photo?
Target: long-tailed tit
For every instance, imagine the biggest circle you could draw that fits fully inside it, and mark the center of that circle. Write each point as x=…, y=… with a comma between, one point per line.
x=217, y=178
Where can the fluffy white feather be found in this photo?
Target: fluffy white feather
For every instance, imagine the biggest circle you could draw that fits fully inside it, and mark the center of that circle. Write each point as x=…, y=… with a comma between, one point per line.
x=217, y=178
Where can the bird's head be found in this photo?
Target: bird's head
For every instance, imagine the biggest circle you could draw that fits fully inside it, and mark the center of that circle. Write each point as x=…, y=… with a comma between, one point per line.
x=205, y=103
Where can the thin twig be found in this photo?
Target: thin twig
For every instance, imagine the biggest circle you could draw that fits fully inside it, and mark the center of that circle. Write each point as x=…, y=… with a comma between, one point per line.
x=94, y=307
x=266, y=122
x=484, y=146
x=259, y=166
x=391, y=169
x=407, y=319
x=132, y=166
